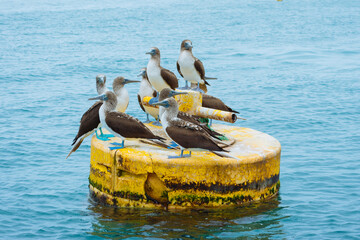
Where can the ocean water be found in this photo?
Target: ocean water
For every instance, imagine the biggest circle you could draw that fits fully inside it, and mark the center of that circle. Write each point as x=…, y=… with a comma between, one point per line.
x=290, y=67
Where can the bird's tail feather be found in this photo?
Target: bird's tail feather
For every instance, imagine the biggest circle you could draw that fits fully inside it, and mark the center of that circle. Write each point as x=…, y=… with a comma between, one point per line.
x=223, y=144
x=159, y=138
x=224, y=154
x=210, y=78
x=76, y=146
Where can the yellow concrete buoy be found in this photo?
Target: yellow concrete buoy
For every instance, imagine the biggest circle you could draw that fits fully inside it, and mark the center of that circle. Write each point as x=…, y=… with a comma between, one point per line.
x=141, y=175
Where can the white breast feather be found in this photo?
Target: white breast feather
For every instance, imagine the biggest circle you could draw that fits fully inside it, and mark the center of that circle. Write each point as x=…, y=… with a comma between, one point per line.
x=187, y=68
x=153, y=71
x=122, y=100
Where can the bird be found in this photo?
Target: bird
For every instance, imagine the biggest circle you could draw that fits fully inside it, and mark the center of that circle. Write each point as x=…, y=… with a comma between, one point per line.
x=88, y=124
x=101, y=88
x=101, y=84
x=215, y=103
x=121, y=93
x=121, y=124
x=209, y=101
x=167, y=93
x=186, y=134
x=159, y=77
x=191, y=68
x=146, y=90
x=90, y=120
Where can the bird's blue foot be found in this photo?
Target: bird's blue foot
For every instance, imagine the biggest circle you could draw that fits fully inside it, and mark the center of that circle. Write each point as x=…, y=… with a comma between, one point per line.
x=186, y=87
x=102, y=136
x=108, y=135
x=147, y=119
x=210, y=122
x=118, y=145
x=172, y=145
x=182, y=155
x=198, y=89
x=115, y=148
x=157, y=123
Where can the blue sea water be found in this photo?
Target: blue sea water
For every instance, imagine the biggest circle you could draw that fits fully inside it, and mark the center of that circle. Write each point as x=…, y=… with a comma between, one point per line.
x=292, y=68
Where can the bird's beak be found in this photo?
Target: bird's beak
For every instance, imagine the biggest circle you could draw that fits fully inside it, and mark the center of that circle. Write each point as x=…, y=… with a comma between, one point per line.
x=153, y=100
x=126, y=81
x=140, y=74
x=151, y=52
x=100, y=97
x=174, y=93
x=188, y=45
x=163, y=103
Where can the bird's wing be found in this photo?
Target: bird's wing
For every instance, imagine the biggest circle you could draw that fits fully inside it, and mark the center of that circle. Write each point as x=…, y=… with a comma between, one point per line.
x=188, y=136
x=90, y=120
x=140, y=102
x=200, y=68
x=169, y=78
x=178, y=68
x=215, y=103
x=95, y=106
x=128, y=126
x=189, y=118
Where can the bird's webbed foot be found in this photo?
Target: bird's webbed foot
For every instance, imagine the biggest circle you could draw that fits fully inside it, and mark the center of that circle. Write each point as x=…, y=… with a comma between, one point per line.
x=182, y=155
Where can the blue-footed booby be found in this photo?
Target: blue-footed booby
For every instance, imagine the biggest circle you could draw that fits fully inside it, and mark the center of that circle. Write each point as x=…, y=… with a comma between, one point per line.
x=101, y=84
x=215, y=103
x=101, y=89
x=121, y=124
x=159, y=77
x=189, y=67
x=88, y=124
x=121, y=93
x=184, y=133
x=167, y=93
x=146, y=90
x=90, y=120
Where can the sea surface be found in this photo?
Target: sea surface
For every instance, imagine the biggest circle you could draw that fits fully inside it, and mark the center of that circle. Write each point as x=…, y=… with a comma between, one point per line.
x=291, y=68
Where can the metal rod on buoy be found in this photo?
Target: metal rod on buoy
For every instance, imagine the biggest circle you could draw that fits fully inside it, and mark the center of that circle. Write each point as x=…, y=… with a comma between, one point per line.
x=192, y=103
x=215, y=114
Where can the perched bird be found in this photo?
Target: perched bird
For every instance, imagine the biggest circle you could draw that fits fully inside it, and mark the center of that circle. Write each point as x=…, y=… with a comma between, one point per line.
x=215, y=103
x=90, y=120
x=187, y=135
x=167, y=93
x=101, y=89
x=121, y=124
x=159, y=77
x=121, y=93
x=209, y=101
x=101, y=84
x=88, y=124
x=189, y=67
x=146, y=90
